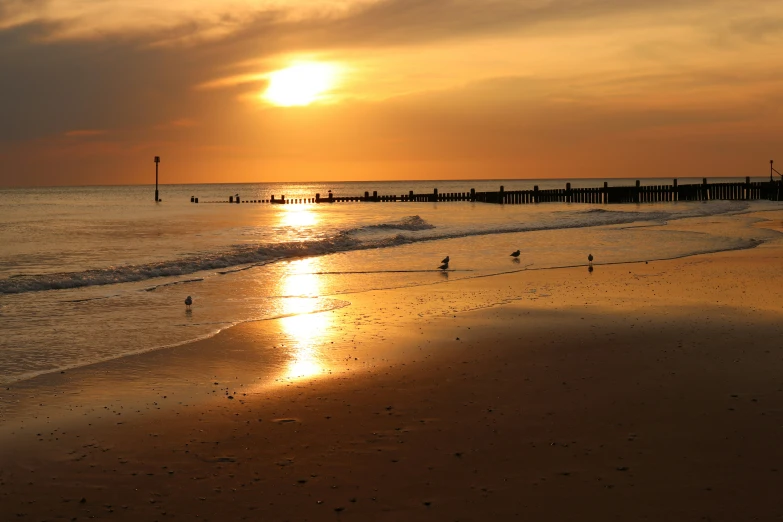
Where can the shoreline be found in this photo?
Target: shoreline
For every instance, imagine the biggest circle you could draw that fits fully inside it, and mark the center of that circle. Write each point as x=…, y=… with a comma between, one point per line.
x=129, y=277
x=649, y=391
x=755, y=243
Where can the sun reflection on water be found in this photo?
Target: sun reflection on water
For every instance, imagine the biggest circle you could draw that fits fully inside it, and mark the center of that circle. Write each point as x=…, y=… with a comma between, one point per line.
x=306, y=330
x=298, y=215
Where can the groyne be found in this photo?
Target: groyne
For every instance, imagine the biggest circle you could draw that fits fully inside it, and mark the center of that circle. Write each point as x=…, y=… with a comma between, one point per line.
x=606, y=194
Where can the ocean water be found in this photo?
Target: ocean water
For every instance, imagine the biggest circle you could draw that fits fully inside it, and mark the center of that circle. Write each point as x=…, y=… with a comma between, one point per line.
x=94, y=273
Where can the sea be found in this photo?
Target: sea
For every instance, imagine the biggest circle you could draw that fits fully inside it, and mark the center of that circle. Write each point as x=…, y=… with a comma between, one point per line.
x=89, y=274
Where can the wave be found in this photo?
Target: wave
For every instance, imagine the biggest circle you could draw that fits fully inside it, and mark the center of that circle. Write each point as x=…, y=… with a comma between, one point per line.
x=242, y=257
x=406, y=223
x=172, y=268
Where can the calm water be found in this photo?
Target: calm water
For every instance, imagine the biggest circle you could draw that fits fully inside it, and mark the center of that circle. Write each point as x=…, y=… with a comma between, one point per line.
x=89, y=274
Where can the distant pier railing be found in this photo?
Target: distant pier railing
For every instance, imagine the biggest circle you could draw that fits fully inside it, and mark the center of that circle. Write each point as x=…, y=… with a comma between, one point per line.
x=704, y=191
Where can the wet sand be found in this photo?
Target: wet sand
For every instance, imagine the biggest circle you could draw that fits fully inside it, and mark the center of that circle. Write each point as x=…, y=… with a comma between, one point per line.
x=635, y=392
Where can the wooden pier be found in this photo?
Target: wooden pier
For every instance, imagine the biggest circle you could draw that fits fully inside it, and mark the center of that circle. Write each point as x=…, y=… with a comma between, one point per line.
x=745, y=191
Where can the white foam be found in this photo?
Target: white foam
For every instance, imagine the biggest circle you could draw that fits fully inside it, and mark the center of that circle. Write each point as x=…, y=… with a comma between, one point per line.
x=409, y=229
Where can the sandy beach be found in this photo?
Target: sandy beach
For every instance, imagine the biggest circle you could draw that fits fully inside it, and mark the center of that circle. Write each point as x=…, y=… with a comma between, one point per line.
x=640, y=391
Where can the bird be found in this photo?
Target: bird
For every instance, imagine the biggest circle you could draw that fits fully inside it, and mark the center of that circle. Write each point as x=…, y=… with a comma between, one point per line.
x=590, y=259
x=188, y=302
x=515, y=253
x=444, y=266
x=445, y=260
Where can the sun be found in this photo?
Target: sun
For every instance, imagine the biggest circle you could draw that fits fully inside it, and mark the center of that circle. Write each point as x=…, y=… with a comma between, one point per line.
x=299, y=84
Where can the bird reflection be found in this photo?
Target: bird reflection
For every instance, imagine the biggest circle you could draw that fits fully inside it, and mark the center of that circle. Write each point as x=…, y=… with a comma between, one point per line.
x=590, y=269
x=515, y=260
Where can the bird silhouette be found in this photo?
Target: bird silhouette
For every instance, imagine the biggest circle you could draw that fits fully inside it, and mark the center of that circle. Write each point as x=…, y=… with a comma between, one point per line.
x=515, y=254
x=590, y=259
x=445, y=260
x=188, y=302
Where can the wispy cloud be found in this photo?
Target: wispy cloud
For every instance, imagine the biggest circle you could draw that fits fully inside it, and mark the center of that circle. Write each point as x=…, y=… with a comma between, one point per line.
x=84, y=133
x=234, y=80
x=427, y=80
x=180, y=123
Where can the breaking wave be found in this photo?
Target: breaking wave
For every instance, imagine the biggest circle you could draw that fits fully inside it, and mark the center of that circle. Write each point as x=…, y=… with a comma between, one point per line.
x=406, y=230
x=406, y=223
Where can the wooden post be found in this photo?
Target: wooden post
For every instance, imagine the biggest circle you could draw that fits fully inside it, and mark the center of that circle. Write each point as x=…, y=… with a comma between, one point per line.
x=473, y=194
x=638, y=190
x=157, y=160
x=676, y=194
x=747, y=187
x=704, y=189
x=535, y=194
x=501, y=195
x=569, y=195
x=231, y=199
x=435, y=195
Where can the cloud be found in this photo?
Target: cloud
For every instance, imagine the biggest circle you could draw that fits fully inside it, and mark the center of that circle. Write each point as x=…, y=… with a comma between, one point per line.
x=52, y=87
x=272, y=27
x=501, y=80
x=758, y=29
x=84, y=133
x=235, y=80
x=16, y=12
x=180, y=123
x=413, y=22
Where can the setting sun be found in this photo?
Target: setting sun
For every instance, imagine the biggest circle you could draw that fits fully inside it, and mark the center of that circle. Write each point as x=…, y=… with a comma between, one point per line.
x=300, y=84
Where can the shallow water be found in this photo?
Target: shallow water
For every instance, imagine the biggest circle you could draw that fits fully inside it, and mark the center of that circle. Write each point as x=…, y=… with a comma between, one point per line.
x=90, y=274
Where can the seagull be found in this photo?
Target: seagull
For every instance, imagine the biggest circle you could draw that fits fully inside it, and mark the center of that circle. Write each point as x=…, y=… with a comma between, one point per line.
x=188, y=302
x=515, y=254
x=445, y=260
x=444, y=266
x=590, y=259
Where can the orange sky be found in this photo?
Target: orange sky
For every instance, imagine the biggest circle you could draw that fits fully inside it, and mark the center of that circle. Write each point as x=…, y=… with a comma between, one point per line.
x=417, y=89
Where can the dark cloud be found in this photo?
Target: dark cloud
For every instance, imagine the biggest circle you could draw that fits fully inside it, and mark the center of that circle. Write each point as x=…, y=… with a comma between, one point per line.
x=12, y=8
x=49, y=87
x=758, y=29
x=414, y=22
x=135, y=85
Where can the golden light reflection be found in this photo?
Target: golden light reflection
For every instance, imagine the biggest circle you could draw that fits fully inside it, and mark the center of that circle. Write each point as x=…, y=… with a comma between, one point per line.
x=300, y=84
x=306, y=330
x=298, y=216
